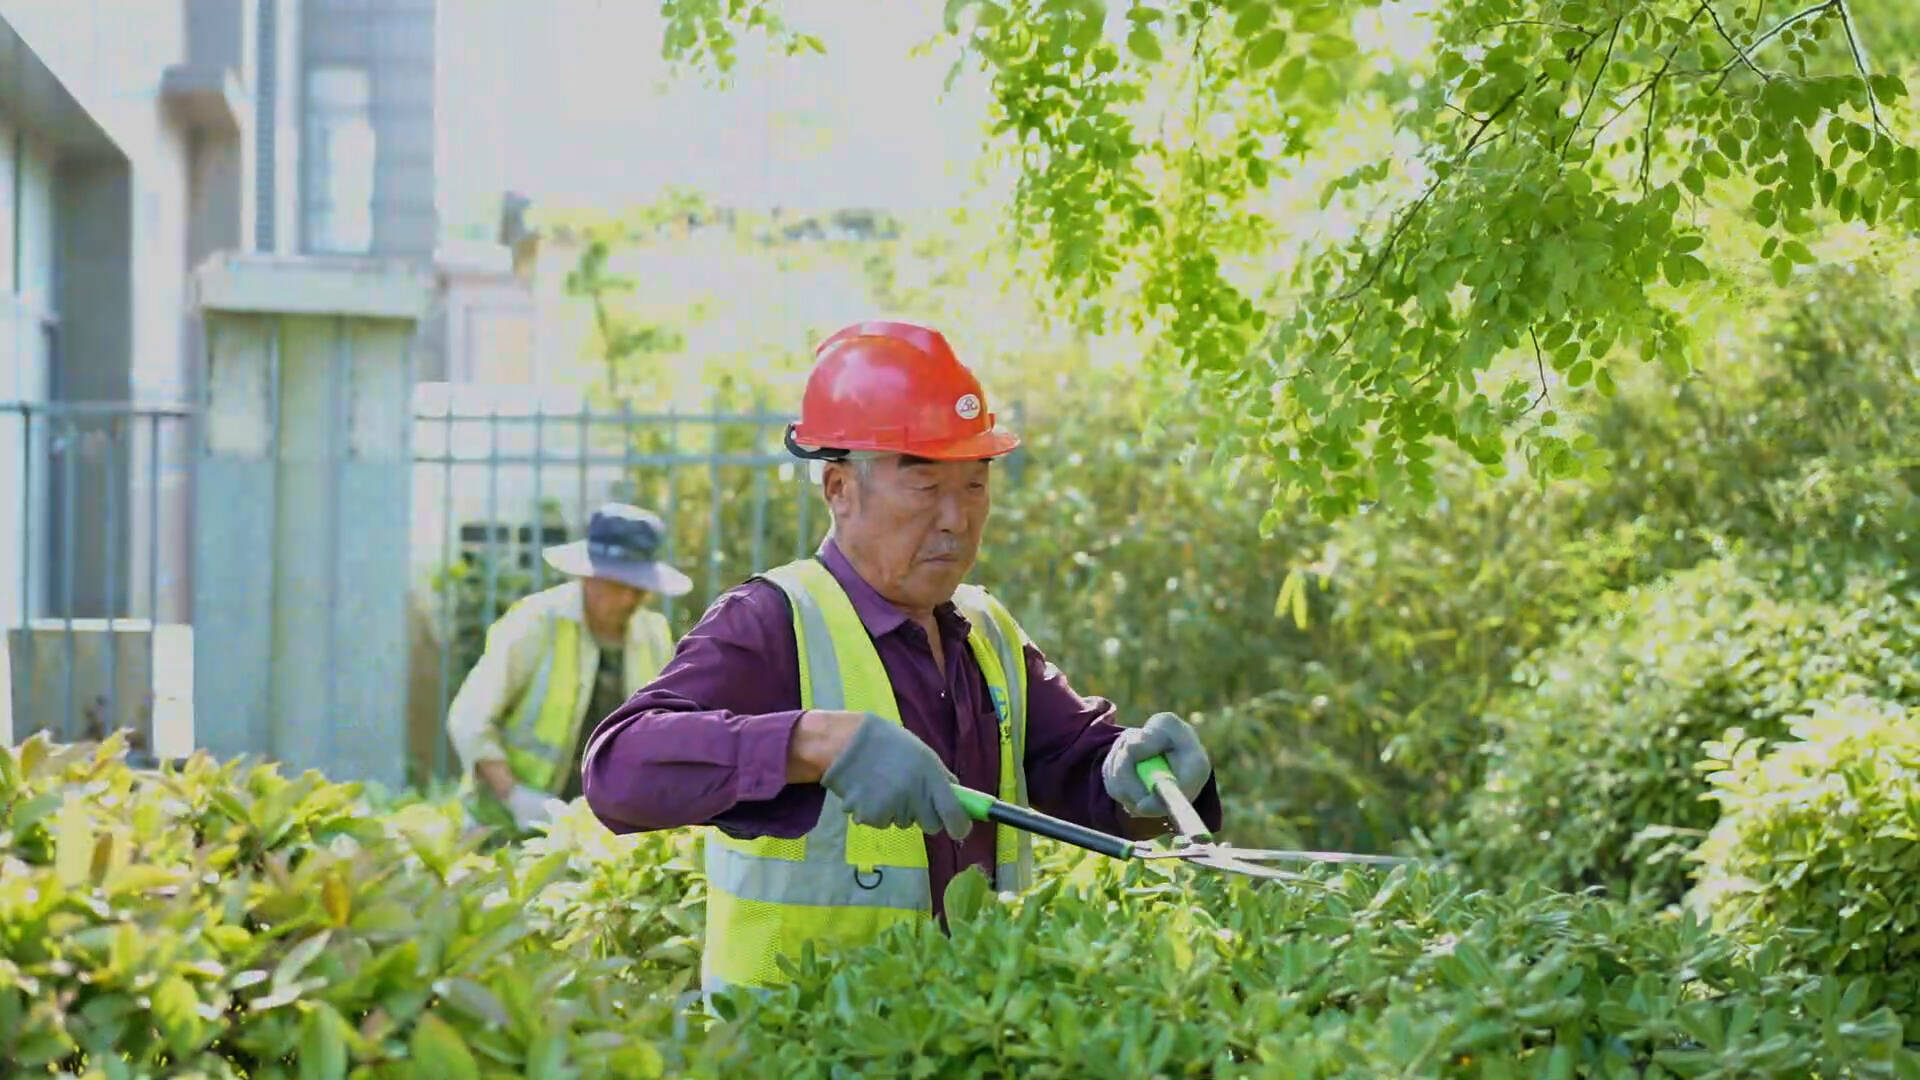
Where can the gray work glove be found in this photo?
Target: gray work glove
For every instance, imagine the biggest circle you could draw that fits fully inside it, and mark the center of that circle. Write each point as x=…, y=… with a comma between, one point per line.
x=528, y=806
x=1163, y=733
x=887, y=777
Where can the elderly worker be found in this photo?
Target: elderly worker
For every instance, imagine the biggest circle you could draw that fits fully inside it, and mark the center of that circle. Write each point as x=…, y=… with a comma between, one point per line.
x=558, y=661
x=818, y=713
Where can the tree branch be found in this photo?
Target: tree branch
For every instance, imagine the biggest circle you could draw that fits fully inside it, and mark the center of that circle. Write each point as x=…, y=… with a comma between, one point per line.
x=1737, y=50
x=1532, y=22
x=1406, y=219
x=1540, y=364
x=1386, y=252
x=1860, y=62
x=1727, y=68
x=1653, y=96
x=1644, y=85
x=1646, y=137
x=1594, y=91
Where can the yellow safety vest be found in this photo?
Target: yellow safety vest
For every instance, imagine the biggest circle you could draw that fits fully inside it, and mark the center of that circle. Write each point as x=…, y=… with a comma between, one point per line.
x=842, y=884
x=539, y=740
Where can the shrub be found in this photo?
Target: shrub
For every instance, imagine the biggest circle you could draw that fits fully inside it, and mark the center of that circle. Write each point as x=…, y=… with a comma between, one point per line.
x=227, y=921
x=638, y=899
x=1150, y=972
x=1594, y=780
x=1818, y=842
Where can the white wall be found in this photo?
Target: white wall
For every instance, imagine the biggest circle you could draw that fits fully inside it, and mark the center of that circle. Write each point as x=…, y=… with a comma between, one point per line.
x=111, y=56
x=23, y=361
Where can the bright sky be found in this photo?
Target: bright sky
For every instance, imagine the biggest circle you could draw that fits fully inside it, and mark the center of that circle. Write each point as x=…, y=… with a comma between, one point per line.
x=559, y=98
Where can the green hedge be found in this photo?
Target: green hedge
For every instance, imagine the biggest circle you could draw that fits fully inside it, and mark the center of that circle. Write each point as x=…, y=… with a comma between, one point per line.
x=1155, y=972
x=227, y=921
x=1594, y=778
x=1818, y=842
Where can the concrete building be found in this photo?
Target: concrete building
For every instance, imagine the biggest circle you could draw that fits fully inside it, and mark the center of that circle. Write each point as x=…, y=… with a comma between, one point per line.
x=138, y=138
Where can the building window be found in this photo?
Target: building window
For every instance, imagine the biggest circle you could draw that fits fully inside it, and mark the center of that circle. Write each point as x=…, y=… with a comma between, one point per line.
x=340, y=159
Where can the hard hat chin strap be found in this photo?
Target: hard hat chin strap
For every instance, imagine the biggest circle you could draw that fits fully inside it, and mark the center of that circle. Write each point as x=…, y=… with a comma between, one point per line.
x=828, y=453
x=823, y=453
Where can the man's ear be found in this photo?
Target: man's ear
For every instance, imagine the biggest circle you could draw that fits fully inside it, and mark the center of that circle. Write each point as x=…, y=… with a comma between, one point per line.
x=837, y=483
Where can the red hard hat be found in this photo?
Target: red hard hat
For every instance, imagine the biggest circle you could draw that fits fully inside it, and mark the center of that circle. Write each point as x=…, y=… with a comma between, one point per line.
x=895, y=387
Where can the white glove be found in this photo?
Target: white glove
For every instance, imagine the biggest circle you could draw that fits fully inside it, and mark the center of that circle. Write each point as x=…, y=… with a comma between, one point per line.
x=529, y=807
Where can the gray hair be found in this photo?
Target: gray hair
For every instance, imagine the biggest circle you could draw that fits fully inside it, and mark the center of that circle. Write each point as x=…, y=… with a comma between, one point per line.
x=860, y=461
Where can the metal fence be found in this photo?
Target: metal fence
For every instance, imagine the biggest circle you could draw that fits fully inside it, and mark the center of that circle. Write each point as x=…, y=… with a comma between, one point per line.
x=96, y=557
x=93, y=565
x=493, y=485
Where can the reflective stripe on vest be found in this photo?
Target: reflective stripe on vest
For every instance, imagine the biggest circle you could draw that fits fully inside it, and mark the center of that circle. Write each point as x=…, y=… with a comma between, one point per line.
x=841, y=884
x=539, y=740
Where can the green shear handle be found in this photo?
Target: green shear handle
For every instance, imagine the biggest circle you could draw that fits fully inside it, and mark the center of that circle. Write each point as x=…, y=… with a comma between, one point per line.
x=983, y=807
x=1158, y=776
x=1153, y=772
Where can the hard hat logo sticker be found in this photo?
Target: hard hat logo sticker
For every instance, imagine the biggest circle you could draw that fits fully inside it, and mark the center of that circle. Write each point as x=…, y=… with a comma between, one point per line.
x=968, y=406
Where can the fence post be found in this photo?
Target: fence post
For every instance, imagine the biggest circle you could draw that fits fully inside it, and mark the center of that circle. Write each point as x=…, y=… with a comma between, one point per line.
x=302, y=512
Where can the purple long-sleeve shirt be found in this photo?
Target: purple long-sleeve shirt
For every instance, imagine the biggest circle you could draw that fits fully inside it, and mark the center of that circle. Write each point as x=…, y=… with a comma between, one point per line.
x=705, y=743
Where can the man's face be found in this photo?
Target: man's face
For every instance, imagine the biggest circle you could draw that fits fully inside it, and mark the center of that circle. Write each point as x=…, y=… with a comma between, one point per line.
x=913, y=529
x=609, y=605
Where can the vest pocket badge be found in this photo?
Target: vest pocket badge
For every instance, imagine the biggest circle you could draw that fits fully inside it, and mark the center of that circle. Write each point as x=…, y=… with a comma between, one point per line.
x=1000, y=705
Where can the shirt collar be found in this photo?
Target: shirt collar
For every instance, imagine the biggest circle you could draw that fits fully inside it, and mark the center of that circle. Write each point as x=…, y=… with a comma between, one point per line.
x=877, y=613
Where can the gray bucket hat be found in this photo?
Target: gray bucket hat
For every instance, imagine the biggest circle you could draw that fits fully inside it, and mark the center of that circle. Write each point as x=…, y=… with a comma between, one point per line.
x=620, y=546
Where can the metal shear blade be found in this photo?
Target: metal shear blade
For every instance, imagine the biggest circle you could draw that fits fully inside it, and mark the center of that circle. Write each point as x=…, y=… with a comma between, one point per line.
x=1221, y=861
x=1212, y=855
x=1318, y=856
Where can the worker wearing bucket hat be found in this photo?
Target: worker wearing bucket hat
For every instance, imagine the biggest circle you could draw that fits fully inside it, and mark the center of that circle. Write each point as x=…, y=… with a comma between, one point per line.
x=557, y=662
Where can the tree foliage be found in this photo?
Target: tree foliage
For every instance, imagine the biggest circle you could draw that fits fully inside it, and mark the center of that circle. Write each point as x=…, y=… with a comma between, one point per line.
x=1540, y=216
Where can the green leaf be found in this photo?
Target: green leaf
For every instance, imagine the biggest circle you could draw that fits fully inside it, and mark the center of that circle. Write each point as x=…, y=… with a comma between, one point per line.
x=323, y=1046
x=1798, y=252
x=176, y=1014
x=73, y=843
x=473, y=999
x=1694, y=182
x=34, y=810
x=437, y=1050
x=1266, y=48
x=1907, y=164
x=1253, y=19
x=1782, y=268
x=1332, y=46
x=298, y=958
x=967, y=894
x=1142, y=43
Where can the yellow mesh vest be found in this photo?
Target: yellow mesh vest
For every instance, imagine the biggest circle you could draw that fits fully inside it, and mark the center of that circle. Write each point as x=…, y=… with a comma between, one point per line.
x=540, y=735
x=842, y=883
x=539, y=740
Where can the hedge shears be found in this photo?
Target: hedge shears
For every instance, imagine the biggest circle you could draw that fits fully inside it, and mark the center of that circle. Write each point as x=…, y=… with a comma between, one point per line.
x=1193, y=842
